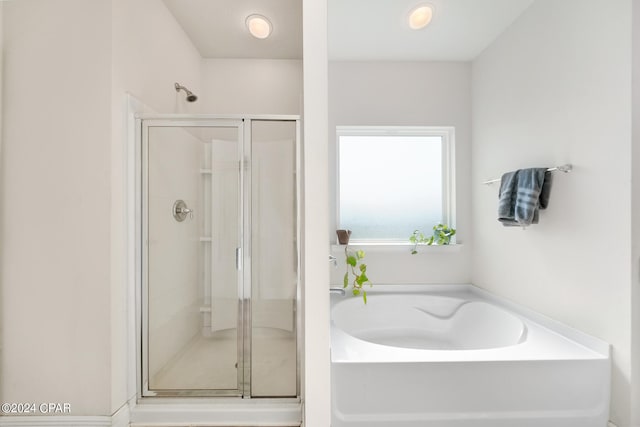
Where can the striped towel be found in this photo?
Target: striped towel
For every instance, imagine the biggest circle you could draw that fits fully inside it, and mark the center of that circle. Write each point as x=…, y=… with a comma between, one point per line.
x=522, y=194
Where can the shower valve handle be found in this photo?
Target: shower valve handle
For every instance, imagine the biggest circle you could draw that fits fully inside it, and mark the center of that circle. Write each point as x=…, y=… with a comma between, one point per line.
x=180, y=211
x=187, y=211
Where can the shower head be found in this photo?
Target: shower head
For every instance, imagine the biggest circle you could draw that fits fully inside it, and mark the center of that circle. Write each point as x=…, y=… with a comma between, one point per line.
x=190, y=96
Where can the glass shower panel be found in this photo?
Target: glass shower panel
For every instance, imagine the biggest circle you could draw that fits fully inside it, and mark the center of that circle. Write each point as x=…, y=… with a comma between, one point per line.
x=192, y=280
x=274, y=258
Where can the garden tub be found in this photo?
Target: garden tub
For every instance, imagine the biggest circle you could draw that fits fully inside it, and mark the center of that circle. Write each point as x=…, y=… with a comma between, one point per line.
x=456, y=356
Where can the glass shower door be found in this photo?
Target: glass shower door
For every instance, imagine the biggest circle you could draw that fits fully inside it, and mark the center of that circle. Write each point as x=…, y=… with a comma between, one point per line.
x=274, y=258
x=192, y=278
x=219, y=257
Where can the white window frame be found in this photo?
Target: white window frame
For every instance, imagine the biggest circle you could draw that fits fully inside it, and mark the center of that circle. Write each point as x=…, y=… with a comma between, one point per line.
x=447, y=133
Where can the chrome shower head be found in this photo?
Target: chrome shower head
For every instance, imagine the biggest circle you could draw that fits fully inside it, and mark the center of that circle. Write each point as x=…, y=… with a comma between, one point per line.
x=190, y=96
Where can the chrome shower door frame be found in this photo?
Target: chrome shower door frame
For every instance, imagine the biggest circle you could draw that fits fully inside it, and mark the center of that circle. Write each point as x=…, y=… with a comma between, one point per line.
x=243, y=124
x=175, y=121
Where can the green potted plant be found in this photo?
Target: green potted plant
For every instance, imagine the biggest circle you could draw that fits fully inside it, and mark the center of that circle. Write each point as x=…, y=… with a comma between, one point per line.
x=442, y=234
x=356, y=273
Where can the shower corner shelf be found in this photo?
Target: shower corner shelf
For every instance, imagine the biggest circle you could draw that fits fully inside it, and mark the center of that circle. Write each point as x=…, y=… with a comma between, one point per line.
x=205, y=171
x=205, y=239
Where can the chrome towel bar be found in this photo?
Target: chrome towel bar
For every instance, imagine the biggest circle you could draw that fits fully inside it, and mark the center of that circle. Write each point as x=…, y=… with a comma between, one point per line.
x=563, y=168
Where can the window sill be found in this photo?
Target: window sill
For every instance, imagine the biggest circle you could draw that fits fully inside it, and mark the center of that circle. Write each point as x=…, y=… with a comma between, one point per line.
x=399, y=247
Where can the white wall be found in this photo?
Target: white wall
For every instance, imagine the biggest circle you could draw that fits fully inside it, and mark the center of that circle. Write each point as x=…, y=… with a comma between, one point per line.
x=1, y=186
x=635, y=225
x=55, y=229
x=252, y=86
x=555, y=89
x=315, y=365
x=150, y=53
x=411, y=94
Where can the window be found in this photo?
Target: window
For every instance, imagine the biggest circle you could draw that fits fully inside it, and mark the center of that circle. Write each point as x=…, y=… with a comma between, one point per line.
x=394, y=180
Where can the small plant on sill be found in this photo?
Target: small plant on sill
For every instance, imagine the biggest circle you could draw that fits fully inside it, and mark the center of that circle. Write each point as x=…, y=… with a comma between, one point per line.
x=441, y=236
x=356, y=272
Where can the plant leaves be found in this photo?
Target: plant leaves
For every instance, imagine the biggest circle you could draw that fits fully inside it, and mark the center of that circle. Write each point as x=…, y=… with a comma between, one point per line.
x=364, y=296
x=362, y=279
x=352, y=277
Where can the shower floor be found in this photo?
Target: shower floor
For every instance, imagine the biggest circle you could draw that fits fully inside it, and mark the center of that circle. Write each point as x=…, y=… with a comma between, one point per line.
x=210, y=363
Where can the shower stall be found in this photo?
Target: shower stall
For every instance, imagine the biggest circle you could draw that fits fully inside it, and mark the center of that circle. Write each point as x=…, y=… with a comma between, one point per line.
x=219, y=248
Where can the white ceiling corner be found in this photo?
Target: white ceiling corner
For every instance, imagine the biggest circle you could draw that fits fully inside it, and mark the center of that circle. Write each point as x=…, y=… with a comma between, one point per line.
x=217, y=27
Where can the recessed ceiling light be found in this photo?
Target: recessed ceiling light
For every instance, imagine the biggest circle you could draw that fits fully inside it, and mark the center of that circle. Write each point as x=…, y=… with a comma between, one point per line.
x=258, y=26
x=420, y=16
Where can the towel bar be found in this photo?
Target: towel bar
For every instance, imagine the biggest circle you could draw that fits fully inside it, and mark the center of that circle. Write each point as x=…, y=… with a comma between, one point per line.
x=563, y=168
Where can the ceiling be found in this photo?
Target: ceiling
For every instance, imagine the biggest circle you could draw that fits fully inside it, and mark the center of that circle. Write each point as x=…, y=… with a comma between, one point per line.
x=378, y=30
x=359, y=30
x=217, y=27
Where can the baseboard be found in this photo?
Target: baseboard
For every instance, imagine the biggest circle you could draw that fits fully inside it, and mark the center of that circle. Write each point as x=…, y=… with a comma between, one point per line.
x=55, y=421
x=282, y=414
x=119, y=419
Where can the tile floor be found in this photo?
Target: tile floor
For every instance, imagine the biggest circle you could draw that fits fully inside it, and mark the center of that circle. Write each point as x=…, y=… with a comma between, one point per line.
x=210, y=363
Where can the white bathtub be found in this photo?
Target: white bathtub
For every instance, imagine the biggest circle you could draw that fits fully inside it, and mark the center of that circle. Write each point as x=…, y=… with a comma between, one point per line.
x=455, y=356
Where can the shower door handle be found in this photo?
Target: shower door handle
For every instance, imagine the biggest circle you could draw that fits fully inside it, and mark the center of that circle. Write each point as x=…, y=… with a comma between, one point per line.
x=238, y=259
